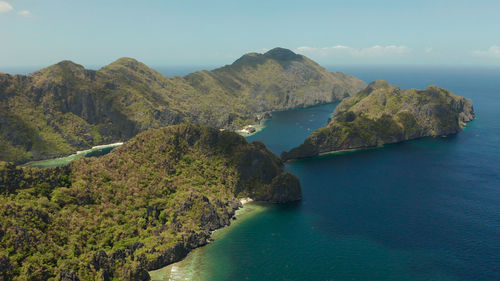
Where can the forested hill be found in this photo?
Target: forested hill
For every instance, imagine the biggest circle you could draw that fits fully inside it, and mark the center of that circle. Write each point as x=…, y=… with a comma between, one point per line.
x=141, y=207
x=65, y=107
x=383, y=114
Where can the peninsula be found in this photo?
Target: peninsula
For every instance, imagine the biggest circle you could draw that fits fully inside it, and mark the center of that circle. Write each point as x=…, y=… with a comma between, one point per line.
x=383, y=114
x=139, y=208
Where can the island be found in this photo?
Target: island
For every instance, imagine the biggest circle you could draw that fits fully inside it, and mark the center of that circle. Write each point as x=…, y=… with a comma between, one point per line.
x=66, y=108
x=384, y=114
x=141, y=207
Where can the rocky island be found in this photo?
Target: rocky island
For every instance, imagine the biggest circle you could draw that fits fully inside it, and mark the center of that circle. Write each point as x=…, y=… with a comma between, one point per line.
x=383, y=114
x=65, y=108
x=141, y=207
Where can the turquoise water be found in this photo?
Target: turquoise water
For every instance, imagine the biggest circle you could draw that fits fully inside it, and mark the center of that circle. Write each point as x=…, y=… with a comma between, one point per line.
x=423, y=210
x=93, y=152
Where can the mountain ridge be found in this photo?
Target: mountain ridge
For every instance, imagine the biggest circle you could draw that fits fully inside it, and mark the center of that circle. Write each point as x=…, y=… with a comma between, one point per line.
x=65, y=107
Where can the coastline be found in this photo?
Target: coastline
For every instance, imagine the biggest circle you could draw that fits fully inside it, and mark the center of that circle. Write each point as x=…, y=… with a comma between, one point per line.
x=349, y=150
x=352, y=150
x=336, y=152
x=245, y=133
x=102, y=146
x=188, y=268
x=58, y=161
x=358, y=149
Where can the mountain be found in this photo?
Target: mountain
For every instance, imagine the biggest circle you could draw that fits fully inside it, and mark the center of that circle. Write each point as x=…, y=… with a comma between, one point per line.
x=383, y=114
x=276, y=80
x=141, y=207
x=64, y=107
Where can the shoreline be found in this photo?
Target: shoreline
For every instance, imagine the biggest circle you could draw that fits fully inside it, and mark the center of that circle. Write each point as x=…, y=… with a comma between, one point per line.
x=63, y=160
x=352, y=150
x=187, y=268
x=116, y=144
x=335, y=152
x=245, y=133
x=349, y=150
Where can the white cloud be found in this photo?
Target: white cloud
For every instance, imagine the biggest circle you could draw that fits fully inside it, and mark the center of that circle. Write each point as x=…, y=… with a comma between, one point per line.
x=428, y=50
x=5, y=7
x=25, y=13
x=374, y=51
x=323, y=49
x=492, y=52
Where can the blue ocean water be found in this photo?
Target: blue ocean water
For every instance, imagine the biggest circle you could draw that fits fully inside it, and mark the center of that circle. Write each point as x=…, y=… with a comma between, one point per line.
x=427, y=209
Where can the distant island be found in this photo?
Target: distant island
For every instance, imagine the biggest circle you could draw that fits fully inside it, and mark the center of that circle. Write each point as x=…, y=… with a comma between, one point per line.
x=65, y=108
x=139, y=208
x=383, y=114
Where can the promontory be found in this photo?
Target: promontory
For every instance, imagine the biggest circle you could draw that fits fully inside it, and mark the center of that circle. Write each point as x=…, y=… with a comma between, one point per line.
x=141, y=207
x=383, y=114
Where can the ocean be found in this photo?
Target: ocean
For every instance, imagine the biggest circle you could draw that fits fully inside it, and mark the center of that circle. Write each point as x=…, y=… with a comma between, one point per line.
x=427, y=209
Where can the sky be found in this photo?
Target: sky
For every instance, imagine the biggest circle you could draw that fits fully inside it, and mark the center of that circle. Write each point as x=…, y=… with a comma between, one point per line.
x=188, y=32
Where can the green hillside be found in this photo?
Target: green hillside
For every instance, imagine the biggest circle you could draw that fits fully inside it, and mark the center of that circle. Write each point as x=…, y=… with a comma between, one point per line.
x=64, y=107
x=139, y=208
x=383, y=114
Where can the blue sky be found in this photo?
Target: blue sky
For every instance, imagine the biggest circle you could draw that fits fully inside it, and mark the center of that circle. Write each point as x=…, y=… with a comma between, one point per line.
x=357, y=32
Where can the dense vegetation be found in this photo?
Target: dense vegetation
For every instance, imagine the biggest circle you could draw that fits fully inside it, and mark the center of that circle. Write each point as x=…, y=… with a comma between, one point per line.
x=141, y=207
x=64, y=108
x=383, y=114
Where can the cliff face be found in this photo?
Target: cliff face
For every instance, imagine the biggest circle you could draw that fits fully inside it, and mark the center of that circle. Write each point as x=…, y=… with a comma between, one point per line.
x=383, y=114
x=64, y=108
x=141, y=207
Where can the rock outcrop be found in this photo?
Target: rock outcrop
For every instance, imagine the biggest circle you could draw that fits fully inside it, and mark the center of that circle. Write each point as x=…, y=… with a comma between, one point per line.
x=383, y=114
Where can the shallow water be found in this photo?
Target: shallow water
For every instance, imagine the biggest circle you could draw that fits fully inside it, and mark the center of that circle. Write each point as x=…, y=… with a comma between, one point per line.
x=192, y=267
x=93, y=152
x=427, y=209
